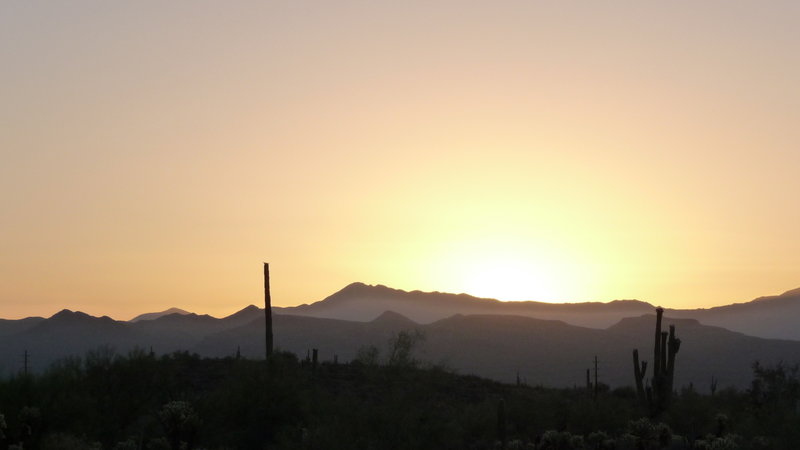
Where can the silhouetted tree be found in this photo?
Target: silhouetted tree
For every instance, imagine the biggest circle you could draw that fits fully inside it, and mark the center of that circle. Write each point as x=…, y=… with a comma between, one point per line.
x=367, y=355
x=401, y=347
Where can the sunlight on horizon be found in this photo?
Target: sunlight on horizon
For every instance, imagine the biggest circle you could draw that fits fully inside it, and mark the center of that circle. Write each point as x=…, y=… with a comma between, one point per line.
x=509, y=268
x=510, y=280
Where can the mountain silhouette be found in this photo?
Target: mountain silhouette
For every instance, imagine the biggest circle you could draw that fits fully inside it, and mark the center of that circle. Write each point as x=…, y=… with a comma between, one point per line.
x=156, y=315
x=66, y=333
x=773, y=316
x=547, y=352
x=393, y=320
x=244, y=315
x=182, y=331
x=362, y=302
x=550, y=344
x=768, y=317
x=9, y=327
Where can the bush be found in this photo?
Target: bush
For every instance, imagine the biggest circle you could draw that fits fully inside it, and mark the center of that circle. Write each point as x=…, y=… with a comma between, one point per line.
x=401, y=348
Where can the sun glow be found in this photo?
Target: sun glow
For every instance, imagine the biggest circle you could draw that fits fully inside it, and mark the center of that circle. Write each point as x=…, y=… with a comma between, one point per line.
x=514, y=270
x=513, y=279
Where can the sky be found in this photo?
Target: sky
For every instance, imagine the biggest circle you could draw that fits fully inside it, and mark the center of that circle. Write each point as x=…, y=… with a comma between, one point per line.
x=154, y=154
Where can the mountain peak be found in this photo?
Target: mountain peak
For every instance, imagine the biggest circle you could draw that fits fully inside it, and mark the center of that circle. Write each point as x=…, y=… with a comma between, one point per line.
x=354, y=286
x=156, y=315
x=67, y=314
x=249, y=308
x=356, y=290
x=360, y=288
x=63, y=312
x=248, y=311
x=393, y=318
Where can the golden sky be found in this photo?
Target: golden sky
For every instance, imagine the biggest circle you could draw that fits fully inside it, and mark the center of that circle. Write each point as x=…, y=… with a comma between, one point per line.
x=155, y=153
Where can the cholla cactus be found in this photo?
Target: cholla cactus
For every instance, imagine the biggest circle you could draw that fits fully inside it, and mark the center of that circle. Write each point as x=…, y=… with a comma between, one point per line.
x=29, y=417
x=649, y=435
x=517, y=444
x=66, y=441
x=727, y=442
x=599, y=440
x=180, y=423
x=129, y=444
x=561, y=440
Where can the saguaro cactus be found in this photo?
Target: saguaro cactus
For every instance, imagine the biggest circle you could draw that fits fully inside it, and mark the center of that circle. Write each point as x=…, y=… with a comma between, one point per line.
x=267, y=311
x=639, y=371
x=596, y=383
x=665, y=347
x=501, y=423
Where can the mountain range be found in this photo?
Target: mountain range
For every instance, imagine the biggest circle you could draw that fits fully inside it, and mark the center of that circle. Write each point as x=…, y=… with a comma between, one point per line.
x=156, y=315
x=768, y=317
x=470, y=335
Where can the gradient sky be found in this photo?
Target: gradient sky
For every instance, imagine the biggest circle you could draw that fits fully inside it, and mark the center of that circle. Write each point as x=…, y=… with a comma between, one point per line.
x=155, y=153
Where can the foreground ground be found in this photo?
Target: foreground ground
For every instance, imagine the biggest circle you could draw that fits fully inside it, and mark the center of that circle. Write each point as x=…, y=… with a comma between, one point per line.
x=141, y=401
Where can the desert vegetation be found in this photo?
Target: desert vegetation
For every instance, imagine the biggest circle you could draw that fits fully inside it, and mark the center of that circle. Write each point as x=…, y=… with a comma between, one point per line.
x=384, y=399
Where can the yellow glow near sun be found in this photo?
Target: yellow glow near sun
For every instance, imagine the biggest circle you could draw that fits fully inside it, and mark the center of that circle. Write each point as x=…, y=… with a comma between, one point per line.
x=506, y=268
x=512, y=279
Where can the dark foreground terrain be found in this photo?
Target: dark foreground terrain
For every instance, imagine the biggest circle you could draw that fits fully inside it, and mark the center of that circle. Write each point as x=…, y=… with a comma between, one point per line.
x=141, y=401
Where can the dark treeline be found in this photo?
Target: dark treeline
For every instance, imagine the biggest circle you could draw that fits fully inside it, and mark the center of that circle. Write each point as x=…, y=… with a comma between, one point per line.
x=144, y=401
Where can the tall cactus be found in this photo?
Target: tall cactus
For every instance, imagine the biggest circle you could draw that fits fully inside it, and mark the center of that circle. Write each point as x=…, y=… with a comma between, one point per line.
x=657, y=396
x=673, y=345
x=639, y=371
x=588, y=380
x=501, y=424
x=267, y=312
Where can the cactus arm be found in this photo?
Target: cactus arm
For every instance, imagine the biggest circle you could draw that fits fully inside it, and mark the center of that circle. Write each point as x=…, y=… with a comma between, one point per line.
x=638, y=374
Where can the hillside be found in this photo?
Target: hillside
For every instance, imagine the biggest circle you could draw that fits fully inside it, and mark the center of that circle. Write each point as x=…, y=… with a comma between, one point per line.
x=500, y=347
x=550, y=353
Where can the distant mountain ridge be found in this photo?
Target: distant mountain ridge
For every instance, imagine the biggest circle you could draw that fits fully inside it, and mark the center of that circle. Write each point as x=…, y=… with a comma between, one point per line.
x=775, y=316
x=768, y=317
x=156, y=315
x=551, y=344
x=547, y=352
x=362, y=302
